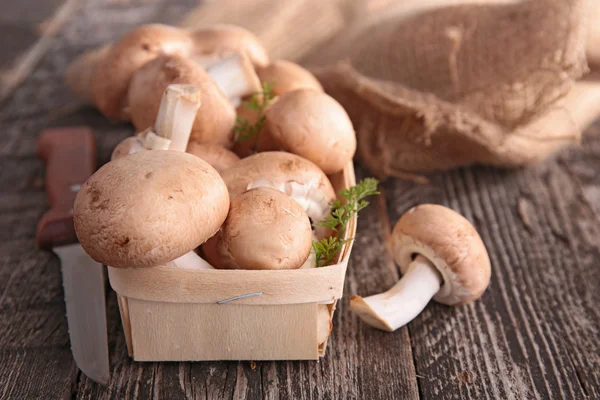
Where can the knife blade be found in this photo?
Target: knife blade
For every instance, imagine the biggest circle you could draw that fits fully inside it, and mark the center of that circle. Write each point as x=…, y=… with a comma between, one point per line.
x=70, y=157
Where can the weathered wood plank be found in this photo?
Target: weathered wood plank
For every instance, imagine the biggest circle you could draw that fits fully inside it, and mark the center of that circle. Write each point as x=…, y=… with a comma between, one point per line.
x=30, y=29
x=36, y=374
x=534, y=332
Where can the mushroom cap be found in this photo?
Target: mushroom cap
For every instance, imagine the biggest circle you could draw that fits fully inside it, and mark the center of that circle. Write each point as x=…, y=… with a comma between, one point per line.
x=285, y=235
x=149, y=208
x=315, y=126
x=217, y=156
x=287, y=77
x=286, y=172
x=214, y=120
x=113, y=72
x=264, y=141
x=448, y=241
x=218, y=41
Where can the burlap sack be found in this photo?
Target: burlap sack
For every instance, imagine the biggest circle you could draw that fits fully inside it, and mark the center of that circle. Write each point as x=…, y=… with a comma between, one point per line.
x=435, y=84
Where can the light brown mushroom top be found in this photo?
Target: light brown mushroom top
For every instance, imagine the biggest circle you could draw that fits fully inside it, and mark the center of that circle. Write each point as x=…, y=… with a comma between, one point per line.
x=216, y=117
x=103, y=75
x=113, y=72
x=289, y=173
x=287, y=76
x=315, y=126
x=149, y=208
x=265, y=229
x=451, y=244
x=217, y=156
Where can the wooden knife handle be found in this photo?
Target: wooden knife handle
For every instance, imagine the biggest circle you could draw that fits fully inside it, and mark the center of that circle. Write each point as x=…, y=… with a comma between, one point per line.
x=70, y=157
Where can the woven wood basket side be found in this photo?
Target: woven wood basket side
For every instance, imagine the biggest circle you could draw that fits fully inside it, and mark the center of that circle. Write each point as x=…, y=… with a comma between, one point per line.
x=172, y=314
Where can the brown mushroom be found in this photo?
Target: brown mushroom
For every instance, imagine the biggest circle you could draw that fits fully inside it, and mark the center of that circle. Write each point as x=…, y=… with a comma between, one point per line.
x=287, y=77
x=80, y=73
x=313, y=125
x=291, y=174
x=213, y=123
x=149, y=208
x=235, y=77
x=103, y=75
x=176, y=114
x=113, y=72
x=285, y=235
x=217, y=156
x=441, y=256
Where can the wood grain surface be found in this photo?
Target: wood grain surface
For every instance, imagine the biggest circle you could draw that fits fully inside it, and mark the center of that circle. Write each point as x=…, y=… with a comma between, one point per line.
x=534, y=334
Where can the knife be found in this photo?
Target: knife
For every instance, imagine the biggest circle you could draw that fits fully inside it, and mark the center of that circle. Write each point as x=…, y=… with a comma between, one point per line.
x=70, y=157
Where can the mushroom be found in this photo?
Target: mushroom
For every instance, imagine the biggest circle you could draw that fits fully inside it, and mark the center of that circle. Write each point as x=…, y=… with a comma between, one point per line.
x=293, y=175
x=219, y=41
x=103, y=75
x=313, y=125
x=150, y=208
x=287, y=77
x=113, y=71
x=213, y=123
x=217, y=156
x=285, y=235
x=80, y=73
x=441, y=256
x=176, y=114
x=235, y=77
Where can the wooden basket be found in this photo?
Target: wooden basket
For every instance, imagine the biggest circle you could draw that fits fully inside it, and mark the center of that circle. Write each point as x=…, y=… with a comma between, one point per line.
x=172, y=314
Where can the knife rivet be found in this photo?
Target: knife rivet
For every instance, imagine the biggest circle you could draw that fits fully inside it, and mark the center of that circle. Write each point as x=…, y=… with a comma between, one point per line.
x=76, y=187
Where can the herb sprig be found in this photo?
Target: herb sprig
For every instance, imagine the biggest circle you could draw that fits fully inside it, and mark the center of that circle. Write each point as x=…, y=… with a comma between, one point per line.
x=341, y=213
x=326, y=249
x=259, y=102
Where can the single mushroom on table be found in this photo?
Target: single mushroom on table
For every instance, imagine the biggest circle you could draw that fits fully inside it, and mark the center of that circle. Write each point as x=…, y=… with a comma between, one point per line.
x=176, y=114
x=313, y=125
x=150, y=208
x=441, y=256
x=286, y=76
x=215, y=121
x=217, y=156
x=293, y=175
x=265, y=229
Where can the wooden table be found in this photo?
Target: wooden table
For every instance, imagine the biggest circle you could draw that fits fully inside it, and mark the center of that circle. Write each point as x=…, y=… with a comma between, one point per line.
x=534, y=334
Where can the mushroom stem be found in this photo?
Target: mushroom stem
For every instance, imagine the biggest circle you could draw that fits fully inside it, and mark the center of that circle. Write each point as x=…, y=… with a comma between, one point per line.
x=235, y=77
x=398, y=306
x=176, y=115
x=191, y=260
